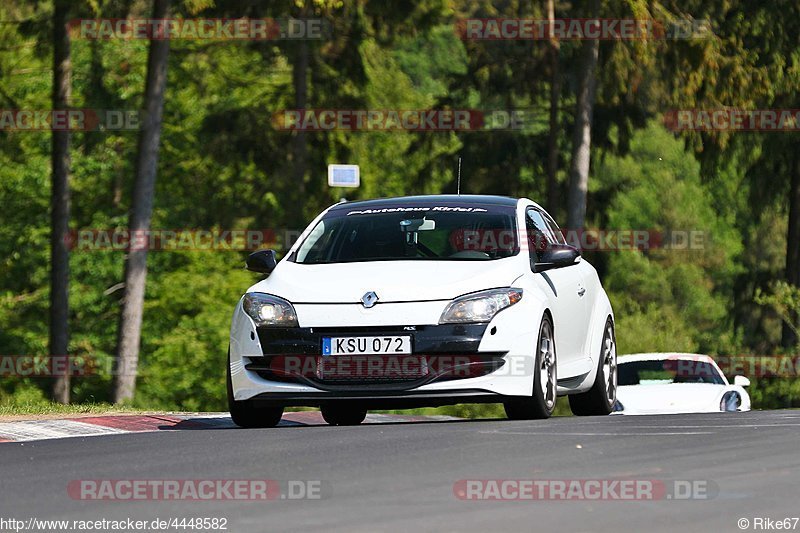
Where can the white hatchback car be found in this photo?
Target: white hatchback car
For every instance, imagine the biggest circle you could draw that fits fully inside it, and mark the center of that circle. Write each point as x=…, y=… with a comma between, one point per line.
x=663, y=383
x=423, y=301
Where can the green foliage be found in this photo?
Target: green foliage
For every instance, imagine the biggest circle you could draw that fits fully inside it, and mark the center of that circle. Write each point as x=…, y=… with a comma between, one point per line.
x=784, y=299
x=184, y=351
x=668, y=299
x=224, y=164
x=775, y=393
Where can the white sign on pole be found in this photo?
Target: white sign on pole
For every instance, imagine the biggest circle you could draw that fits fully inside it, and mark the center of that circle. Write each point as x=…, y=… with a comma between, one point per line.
x=343, y=176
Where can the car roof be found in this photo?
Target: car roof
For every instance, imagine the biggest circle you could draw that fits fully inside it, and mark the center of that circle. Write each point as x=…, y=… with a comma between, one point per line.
x=664, y=356
x=431, y=199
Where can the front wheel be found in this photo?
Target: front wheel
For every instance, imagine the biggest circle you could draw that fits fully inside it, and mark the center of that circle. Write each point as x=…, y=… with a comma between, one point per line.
x=599, y=400
x=245, y=414
x=543, y=400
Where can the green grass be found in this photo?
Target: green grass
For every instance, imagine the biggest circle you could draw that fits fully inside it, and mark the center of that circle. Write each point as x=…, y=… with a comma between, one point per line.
x=50, y=408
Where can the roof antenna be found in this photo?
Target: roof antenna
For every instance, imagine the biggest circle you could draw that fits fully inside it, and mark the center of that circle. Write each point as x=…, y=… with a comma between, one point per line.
x=459, y=176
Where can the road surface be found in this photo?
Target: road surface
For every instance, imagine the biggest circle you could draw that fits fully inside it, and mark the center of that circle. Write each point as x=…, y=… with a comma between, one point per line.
x=405, y=476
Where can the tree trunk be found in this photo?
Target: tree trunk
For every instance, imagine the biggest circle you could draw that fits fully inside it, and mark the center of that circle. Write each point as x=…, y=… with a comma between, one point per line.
x=130, y=326
x=59, y=251
x=582, y=136
x=299, y=142
x=552, y=139
x=793, y=245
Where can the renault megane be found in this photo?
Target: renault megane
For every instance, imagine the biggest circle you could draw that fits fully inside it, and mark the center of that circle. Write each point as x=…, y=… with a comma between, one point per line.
x=423, y=301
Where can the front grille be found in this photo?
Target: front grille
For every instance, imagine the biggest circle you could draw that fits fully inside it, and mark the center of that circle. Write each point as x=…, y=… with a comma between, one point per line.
x=430, y=339
x=368, y=370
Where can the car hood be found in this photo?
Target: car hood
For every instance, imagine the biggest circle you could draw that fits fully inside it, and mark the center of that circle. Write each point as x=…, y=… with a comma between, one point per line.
x=392, y=281
x=670, y=398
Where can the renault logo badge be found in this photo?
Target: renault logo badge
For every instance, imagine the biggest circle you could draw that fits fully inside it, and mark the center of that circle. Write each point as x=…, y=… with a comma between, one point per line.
x=369, y=299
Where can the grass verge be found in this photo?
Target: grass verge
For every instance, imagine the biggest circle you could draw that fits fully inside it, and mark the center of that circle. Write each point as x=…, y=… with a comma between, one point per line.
x=34, y=409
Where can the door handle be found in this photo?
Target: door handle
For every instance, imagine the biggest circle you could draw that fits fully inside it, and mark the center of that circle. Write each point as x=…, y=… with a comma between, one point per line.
x=581, y=292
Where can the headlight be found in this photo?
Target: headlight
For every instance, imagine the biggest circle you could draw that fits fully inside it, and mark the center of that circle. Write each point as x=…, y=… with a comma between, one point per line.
x=730, y=401
x=479, y=306
x=268, y=310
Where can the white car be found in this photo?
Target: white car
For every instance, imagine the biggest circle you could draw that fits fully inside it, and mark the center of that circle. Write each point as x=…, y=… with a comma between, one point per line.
x=661, y=383
x=423, y=301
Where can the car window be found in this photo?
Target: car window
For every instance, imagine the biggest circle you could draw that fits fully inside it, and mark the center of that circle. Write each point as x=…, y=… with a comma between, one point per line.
x=541, y=224
x=539, y=234
x=656, y=372
x=411, y=233
x=314, y=243
x=555, y=231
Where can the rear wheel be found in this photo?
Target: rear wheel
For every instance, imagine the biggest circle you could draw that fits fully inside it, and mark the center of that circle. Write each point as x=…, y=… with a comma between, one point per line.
x=247, y=415
x=599, y=400
x=543, y=400
x=343, y=415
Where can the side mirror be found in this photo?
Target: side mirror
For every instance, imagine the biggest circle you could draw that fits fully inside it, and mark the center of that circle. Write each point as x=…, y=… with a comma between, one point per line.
x=741, y=381
x=262, y=261
x=557, y=256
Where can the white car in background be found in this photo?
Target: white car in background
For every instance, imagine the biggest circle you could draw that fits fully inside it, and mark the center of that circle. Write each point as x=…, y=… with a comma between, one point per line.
x=662, y=383
x=423, y=301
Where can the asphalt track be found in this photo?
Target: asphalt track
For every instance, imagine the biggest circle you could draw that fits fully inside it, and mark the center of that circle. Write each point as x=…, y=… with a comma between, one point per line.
x=400, y=477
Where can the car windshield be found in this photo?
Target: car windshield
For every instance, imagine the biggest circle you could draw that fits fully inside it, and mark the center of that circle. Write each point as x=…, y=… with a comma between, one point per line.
x=668, y=371
x=451, y=233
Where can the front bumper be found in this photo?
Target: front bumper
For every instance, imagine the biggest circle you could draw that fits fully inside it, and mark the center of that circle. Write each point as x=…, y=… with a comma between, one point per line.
x=440, y=353
x=467, y=363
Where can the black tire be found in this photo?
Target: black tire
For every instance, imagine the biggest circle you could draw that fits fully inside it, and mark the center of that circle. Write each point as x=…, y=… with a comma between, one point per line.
x=245, y=414
x=600, y=399
x=343, y=415
x=542, y=402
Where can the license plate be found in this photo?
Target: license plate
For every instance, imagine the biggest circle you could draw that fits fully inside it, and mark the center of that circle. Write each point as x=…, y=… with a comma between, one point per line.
x=365, y=345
